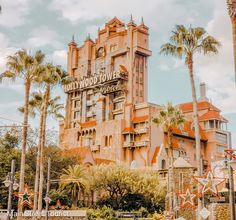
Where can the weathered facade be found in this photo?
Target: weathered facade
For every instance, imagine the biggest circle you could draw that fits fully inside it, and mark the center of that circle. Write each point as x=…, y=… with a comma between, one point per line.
x=108, y=117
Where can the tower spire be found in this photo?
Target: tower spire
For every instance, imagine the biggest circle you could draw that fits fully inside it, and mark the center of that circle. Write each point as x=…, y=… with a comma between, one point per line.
x=73, y=38
x=131, y=18
x=142, y=21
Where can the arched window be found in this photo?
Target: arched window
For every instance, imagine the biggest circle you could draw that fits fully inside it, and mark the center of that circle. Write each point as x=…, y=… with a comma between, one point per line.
x=106, y=141
x=163, y=164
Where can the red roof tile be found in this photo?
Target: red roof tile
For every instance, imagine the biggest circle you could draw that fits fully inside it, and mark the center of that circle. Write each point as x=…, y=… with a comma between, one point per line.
x=188, y=107
x=188, y=131
x=128, y=130
x=154, y=159
x=140, y=119
x=212, y=115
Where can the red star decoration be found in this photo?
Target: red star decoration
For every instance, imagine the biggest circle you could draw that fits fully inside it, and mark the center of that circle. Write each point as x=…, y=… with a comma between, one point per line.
x=187, y=198
x=209, y=182
x=25, y=198
x=58, y=205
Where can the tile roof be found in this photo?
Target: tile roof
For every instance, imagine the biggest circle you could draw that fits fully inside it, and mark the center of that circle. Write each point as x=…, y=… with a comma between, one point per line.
x=154, y=158
x=188, y=107
x=212, y=115
x=88, y=124
x=140, y=119
x=175, y=143
x=188, y=131
x=128, y=130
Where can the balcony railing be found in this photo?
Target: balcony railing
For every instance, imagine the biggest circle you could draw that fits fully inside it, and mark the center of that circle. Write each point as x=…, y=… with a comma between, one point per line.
x=94, y=148
x=141, y=143
x=141, y=130
x=129, y=144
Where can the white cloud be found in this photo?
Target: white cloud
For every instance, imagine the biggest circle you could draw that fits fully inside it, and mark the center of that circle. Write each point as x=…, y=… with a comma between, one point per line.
x=43, y=36
x=14, y=12
x=158, y=14
x=217, y=71
x=59, y=57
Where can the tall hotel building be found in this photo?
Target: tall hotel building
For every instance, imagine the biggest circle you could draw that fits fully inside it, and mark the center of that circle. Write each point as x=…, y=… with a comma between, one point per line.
x=108, y=116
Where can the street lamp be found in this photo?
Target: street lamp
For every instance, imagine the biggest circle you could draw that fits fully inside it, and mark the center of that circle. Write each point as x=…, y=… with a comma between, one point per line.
x=11, y=183
x=230, y=165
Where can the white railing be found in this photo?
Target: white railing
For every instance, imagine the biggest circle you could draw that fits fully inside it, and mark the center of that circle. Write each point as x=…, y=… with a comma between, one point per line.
x=141, y=130
x=141, y=143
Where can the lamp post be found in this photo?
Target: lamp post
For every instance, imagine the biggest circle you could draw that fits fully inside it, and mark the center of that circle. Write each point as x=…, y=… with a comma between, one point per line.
x=47, y=198
x=230, y=165
x=13, y=185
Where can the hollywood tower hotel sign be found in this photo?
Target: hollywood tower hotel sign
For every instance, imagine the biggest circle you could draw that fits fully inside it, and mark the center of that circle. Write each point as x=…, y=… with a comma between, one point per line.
x=110, y=81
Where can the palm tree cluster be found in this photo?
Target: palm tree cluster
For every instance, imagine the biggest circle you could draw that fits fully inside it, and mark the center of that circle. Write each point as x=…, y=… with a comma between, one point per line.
x=185, y=43
x=169, y=118
x=36, y=72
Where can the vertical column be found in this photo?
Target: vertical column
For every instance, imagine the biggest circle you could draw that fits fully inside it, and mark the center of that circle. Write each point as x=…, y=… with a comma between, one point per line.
x=84, y=106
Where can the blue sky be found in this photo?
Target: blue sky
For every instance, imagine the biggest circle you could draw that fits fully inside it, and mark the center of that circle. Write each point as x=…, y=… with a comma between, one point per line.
x=50, y=24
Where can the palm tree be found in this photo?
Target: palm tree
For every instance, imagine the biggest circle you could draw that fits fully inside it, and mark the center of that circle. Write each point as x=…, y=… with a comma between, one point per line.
x=51, y=77
x=74, y=181
x=232, y=13
x=35, y=107
x=168, y=119
x=27, y=67
x=185, y=43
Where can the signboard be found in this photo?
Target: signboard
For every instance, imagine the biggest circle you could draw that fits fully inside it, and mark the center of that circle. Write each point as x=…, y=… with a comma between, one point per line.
x=97, y=81
x=217, y=199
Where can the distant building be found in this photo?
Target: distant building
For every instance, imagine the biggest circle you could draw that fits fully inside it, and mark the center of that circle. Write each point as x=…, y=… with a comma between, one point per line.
x=108, y=118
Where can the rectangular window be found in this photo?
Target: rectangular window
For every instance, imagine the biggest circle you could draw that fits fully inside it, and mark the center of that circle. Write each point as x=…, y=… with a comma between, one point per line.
x=141, y=80
x=76, y=103
x=76, y=114
x=211, y=124
x=136, y=92
x=137, y=65
x=222, y=138
x=141, y=65
x=141, y=93
x=136, y=79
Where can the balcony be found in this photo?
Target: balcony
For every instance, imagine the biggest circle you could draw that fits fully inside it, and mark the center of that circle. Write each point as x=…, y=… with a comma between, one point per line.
x=128, y=144
x=141, y=130
x=94, y=148
x=141, y=143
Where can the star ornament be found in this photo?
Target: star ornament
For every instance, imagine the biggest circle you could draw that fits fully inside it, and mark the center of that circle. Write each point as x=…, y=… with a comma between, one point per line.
x=209, y=182
x=25, y=198
x=187, y=198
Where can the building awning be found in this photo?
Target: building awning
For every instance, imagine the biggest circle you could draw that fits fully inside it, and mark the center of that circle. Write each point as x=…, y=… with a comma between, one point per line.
x=88, y=124
x=140, y=119
x=211, y=115
x=128, y=130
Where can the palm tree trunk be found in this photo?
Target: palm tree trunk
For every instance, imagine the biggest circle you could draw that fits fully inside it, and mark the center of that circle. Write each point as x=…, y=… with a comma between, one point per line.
x=171, y=173
x=24, y=135
x=234, y=42
x=41, y=161
x=195, y=116
x=36, y=183
x=196, y=127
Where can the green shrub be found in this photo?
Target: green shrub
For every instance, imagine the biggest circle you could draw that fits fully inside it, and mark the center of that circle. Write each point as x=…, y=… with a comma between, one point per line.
x=104, y=213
